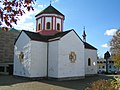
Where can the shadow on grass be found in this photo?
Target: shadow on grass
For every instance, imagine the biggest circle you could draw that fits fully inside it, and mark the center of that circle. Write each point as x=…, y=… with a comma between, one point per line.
x=81, y=84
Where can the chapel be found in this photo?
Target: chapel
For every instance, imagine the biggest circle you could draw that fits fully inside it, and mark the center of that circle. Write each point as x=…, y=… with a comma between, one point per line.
x=52, y=52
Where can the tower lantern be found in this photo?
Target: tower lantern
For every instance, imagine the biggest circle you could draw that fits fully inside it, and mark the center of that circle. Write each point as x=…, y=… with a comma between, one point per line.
x=49, y=21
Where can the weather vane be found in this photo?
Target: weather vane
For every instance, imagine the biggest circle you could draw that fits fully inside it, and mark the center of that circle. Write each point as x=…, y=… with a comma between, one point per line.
x=84, y=28
x=50, y=2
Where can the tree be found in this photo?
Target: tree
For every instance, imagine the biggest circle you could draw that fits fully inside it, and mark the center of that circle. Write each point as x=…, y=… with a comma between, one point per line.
x=115, y=48
x=10, y=10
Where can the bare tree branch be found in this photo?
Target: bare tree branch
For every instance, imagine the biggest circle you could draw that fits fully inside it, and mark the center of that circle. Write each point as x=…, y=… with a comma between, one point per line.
x=10, y=10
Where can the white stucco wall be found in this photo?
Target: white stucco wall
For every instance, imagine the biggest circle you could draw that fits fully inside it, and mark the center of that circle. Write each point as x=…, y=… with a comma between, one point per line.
x=70, y=43
x=38, y=59
x=92, y=54
x=22, y=45
x=53, y=59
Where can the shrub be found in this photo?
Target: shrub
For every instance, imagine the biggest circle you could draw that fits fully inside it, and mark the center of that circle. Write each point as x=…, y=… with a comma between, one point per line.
x=102, y=85
x=116, y=83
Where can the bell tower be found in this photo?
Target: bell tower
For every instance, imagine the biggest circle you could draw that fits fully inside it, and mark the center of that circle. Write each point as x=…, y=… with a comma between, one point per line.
x=49, y=21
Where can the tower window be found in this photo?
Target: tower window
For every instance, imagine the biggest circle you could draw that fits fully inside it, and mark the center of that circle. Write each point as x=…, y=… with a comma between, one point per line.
x=48, y=25
x=89, y=62
x=58, y=26
x=39, y=26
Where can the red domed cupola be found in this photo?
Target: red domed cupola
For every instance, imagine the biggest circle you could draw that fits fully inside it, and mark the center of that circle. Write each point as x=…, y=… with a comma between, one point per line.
x=49, y=21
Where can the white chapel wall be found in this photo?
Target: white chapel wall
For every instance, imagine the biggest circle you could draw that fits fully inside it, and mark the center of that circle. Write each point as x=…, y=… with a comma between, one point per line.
x=22, y=45
x=38, y=59
x=53, y=59
x=92, y=54
x=71, y=43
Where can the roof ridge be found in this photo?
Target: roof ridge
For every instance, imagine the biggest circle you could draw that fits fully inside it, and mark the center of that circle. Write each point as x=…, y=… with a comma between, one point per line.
x=50, y=9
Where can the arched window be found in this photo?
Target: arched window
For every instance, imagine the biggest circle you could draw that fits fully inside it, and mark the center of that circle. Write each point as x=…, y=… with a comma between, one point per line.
x=58, y=26
x=89, y=62
x=39, y=26
x=48, y=25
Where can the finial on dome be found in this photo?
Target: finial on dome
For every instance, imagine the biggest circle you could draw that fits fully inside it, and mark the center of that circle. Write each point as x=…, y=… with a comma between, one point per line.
x=84, y=34
x=50, y=2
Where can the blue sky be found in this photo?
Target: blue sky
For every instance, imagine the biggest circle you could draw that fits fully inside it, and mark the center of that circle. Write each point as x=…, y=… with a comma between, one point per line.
x=101, y=19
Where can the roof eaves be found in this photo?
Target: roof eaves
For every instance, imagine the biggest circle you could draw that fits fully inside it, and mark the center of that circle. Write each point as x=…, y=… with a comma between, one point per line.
x=64, y=33
x=17, y=37
x=54, y=39
x=88, y=46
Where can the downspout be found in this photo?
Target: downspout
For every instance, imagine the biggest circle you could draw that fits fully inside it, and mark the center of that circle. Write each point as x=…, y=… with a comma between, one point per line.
x=47, y=58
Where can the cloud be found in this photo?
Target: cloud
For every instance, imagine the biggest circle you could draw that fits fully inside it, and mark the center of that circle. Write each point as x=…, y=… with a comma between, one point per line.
x=42, y=6
x=110, y=32
x=24, y=21
x=26, y=26
x=105, y=45
x=54, y=1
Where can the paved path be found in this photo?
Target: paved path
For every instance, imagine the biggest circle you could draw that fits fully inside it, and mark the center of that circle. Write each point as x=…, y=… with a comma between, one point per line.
x=17, y=83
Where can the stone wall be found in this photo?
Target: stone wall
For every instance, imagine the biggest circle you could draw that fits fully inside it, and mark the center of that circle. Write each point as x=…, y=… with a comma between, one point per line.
x=7, y=40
